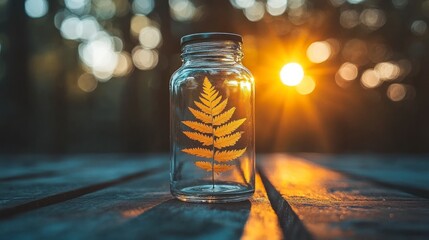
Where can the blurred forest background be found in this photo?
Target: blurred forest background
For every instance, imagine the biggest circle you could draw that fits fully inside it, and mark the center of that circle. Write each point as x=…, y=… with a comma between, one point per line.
x=91, y=76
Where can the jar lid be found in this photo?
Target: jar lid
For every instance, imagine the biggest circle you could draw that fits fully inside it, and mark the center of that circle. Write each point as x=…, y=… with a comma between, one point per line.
x=209, y=36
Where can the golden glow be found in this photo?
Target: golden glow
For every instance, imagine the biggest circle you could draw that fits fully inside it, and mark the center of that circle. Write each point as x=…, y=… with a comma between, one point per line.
x=281, y=102
x=291, y=74
x=319, y=52
x=306, y=86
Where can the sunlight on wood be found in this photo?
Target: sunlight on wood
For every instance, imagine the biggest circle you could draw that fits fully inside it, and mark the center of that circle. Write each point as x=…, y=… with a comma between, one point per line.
x=262, y=222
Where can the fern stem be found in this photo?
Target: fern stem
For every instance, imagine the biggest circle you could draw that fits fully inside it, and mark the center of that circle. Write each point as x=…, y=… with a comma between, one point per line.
x=213, y=149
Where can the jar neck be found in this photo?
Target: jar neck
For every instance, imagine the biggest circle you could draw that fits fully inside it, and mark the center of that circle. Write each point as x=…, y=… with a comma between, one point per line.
x=213, y=52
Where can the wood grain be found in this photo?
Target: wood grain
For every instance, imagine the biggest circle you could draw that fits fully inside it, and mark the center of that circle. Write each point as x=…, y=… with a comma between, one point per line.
x=327, y=205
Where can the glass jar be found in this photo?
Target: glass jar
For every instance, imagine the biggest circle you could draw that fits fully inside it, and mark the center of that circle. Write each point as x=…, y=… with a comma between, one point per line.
x=212, y=121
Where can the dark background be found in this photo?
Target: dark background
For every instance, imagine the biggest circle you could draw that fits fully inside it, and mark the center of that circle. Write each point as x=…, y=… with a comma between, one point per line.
x=51, y=101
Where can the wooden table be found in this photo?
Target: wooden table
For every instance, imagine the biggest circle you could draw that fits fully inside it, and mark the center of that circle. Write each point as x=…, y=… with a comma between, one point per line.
x=306, y=196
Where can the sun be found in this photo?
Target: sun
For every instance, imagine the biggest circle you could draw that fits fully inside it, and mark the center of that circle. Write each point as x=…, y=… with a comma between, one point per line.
x=291, y=74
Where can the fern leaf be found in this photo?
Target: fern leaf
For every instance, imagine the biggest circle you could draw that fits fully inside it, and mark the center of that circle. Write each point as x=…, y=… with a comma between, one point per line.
x=216, y=101
x=228, y=155
x=200, y=115
x=199, y=152
x=203, y=107
x=210, y=97
x=206, y=83
x=224, y=117
x=200, y=127
x=209, y=92
x=228, y=128
x=205, y=102
x=218, y=168
x=227, y=141
x=219, y=108
x=204, y=139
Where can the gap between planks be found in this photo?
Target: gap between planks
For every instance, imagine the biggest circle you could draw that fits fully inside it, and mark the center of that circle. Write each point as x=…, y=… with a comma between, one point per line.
x=64, y=196
x=290, y=223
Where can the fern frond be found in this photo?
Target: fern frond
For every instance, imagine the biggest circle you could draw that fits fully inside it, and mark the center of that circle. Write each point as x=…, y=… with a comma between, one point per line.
x=197, y=126
x=229, y=140
x=203, y=107
x=224, y=117
x=224, y=156
x=204, y=139
x=200, y=115
x=211, y=112
x=219, y=108
x=199, y=152
x=218, y=168
x=228, y=128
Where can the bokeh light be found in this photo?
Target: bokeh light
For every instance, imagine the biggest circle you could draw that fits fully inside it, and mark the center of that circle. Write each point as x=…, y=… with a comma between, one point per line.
x=387, y=70
x=255, y=12
x=104, y=9
x=419, y=27
x=71, y=28
x=306, y=86
x=87, y=83
x=182, y=10
x=89, y=27
x=319, y=52
x=150, y=37
x=78, y=6
x=241, y=4
x=143, y=6
x=124, y=66
x=144, y=59
x=291, y=74
x=348, y=71
x=396, y=92
x=296, y=4
x=399, y=4
x=373, y=18
x=370, y=79
x=138, y=22
x=276, y=7
x=349, y=18
x=99, y=54
x=36, y=8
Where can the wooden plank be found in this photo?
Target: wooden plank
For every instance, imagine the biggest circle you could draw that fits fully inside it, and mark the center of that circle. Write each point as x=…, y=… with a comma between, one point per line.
x=144, y=209
x=88, y=216
x=70, y=173
x=408, y=173
x=314, y=202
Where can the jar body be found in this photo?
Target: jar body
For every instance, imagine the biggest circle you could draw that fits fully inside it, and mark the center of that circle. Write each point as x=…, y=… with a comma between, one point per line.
x=212, y=132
